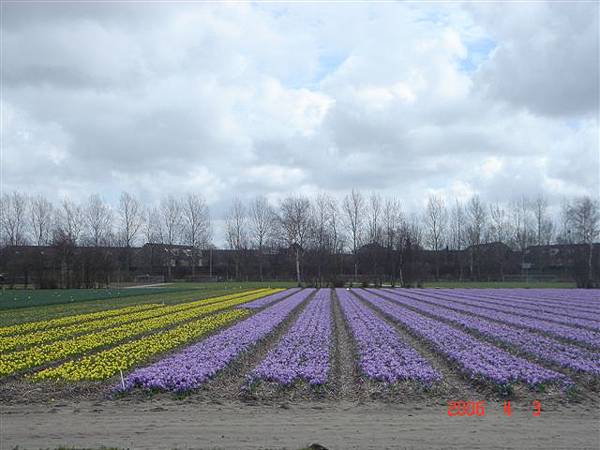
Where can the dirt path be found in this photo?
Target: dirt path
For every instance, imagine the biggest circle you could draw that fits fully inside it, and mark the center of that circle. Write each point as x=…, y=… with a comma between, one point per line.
x=184, y=424
x=345, y=372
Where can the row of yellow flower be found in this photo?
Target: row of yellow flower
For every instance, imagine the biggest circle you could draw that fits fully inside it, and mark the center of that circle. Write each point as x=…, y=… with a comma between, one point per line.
x=35, y=356
x=107, y=363
x=44, y=313
x=62, y=321
x=8, y=343
x=28, y=327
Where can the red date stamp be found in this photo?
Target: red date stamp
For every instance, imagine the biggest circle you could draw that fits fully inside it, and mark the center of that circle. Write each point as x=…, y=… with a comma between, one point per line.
x=466, y=408
x=471, y=408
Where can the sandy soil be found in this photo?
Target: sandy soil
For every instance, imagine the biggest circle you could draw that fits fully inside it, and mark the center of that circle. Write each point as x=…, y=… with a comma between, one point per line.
x=168, y=424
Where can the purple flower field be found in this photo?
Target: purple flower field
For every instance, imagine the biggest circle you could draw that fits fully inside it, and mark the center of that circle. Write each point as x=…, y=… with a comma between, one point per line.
x=572, y=333
x=557, y=316
x=586, y=299
x=477, y=359
x=565, y=308
x=536, y=344
x=303, y=353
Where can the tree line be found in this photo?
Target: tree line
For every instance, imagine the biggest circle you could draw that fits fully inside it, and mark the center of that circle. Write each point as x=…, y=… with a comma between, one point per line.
x=319, y=232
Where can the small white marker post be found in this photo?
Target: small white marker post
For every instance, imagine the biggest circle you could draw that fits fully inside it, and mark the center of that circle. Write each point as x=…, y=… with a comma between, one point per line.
x=122, y=380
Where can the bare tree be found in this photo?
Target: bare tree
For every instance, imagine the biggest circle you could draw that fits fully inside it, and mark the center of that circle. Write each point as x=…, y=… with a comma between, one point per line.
x=236, y=227
x=374, y=222
x=261, y=227
x=391, y=223
x=295, y=221
x=131, y=216
x=151, y=226
x=500, y=226
x=322, y=230
x=41, y=215
x=336, y=237
x=391, y=220
x=196, y=225
x=67, y=235
x=41, y=219
x=151, y=232
x=170, y=211
x=13, y=218
x=409, y=239
x=98, y=220
x=544, y=225
x=69, y=221
x=522, y=224
x=458, y=236
x=476, y=221
x=499, y=230
x=353, y=207
x=584, y=217
x=564, y=234
x=436, y=219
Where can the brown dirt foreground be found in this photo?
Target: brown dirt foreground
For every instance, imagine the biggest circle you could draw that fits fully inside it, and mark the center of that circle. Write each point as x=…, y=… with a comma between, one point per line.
x=335, y=425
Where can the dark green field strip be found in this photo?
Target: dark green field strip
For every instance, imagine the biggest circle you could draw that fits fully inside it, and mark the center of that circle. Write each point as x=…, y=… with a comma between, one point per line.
x=26, y=298
x=22, y=315
x=234, y=284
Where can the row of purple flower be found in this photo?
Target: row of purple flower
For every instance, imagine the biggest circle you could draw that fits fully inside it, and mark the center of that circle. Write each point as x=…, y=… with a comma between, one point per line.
x=558, y=314
x=572, y=300
x=303, y=352
x=478, y=360
x=383, y=354
x=573, y=333
x=535, y=344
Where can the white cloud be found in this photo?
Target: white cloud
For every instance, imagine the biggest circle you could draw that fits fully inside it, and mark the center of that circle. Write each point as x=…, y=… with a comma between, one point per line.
x=247, y=99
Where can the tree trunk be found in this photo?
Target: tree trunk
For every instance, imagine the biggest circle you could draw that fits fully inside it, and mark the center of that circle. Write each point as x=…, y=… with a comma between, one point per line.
x=471, y=263
x=193, y=264
x=591, y=252
x=260, y=263
x=298, y=266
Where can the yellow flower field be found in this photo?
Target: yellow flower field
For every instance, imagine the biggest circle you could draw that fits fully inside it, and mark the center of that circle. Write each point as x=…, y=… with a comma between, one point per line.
x=8, y=343
x=32, y=357
x=75, y=319
x=29, y=327
x=107, y=363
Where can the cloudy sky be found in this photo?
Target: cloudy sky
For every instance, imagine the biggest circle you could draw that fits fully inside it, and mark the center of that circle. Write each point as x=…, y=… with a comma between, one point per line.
x=242, y=99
